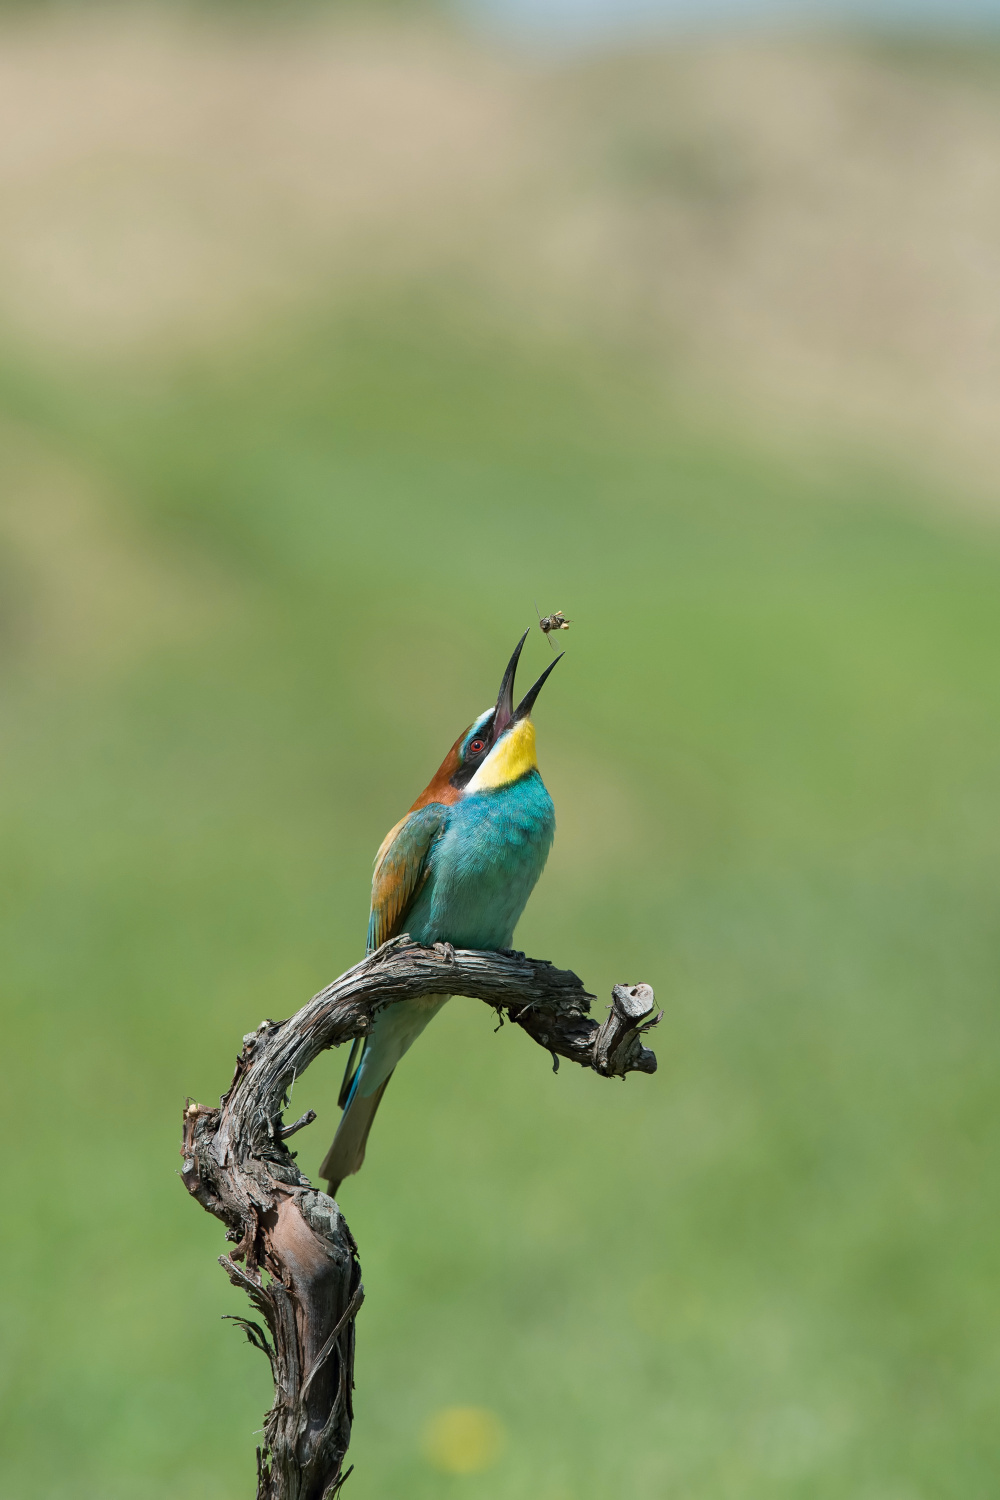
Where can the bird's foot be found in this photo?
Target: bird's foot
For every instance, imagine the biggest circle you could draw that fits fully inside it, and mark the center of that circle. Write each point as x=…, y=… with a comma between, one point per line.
x=446, y=951
x=512, y=953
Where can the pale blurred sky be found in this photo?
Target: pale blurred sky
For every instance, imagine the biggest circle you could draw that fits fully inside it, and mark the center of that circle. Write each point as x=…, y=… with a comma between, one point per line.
x=584, y=20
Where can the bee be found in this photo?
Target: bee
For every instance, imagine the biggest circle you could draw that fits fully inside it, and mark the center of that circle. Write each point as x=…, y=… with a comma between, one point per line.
x=555, y=621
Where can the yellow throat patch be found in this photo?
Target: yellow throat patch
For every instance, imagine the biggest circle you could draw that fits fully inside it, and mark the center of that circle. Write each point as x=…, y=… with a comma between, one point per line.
x=509, y=760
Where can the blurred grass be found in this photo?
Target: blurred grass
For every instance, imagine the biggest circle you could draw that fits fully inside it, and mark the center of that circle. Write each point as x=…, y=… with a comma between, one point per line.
x=766, y=1272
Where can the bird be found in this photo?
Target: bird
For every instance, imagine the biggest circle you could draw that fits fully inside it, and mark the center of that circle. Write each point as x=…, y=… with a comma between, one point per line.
x=457, y=869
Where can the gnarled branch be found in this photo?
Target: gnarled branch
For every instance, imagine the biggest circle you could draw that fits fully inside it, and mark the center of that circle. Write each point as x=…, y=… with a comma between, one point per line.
x=293, y=1253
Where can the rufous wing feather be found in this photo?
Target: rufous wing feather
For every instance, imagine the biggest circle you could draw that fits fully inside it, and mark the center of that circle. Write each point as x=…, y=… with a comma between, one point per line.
x=400, y=870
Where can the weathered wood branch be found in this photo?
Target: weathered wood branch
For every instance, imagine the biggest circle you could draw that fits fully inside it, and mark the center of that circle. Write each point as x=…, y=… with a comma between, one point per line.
x=293, y=1253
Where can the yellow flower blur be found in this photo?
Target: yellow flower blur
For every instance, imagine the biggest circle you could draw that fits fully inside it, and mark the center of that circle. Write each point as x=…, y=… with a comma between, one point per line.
x=463, y=1439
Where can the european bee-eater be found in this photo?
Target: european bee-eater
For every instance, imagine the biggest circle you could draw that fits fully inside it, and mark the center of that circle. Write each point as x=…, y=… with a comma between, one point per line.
x=458, y=869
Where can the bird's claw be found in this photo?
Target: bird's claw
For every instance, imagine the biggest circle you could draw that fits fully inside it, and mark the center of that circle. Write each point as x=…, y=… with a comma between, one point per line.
x=446, y=951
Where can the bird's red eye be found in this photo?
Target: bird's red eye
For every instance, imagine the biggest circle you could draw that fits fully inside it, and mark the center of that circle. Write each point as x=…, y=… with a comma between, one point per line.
x=476, y=746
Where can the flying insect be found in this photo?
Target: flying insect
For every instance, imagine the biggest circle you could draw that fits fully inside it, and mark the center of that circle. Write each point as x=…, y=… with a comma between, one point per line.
x=547, y=623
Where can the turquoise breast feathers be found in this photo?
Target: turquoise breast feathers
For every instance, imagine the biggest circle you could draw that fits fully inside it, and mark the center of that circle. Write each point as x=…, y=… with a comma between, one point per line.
x=484, y=865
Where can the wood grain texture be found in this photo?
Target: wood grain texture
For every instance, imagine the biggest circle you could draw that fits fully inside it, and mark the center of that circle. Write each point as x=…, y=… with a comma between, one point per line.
x=293, y=1253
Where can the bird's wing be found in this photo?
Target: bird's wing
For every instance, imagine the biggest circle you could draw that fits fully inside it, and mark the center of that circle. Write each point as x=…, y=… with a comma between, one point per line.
x=400, y=870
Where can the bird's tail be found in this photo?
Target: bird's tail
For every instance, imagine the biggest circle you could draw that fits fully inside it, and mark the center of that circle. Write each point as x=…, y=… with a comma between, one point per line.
x=365, y=1081
x=348, y=1149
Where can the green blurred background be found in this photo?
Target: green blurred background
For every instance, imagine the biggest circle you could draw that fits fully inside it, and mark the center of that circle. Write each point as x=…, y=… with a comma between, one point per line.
x=331, y=343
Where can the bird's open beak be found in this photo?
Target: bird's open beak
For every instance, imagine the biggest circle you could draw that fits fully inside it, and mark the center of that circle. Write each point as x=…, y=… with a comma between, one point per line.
x=505, y=712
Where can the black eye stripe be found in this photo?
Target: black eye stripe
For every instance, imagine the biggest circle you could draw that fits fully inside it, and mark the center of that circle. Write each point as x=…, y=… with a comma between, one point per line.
x=471, y=757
